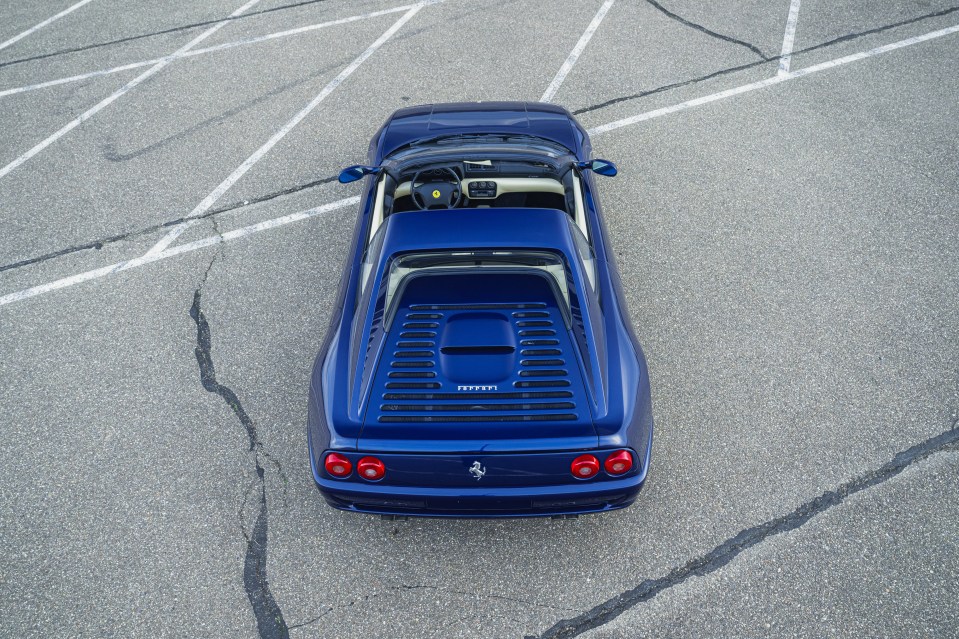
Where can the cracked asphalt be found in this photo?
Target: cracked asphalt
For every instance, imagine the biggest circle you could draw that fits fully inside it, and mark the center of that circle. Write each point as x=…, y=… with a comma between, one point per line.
x=789, y=261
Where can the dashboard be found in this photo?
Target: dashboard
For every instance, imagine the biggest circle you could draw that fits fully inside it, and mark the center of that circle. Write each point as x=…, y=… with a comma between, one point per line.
x=489, y=188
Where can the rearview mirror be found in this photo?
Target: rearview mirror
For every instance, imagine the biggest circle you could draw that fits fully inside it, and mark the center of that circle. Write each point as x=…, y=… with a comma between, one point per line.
x=602, y=167
x=354, y=173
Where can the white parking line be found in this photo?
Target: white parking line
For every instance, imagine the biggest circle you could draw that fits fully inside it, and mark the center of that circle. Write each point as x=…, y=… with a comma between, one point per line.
x=575, y=53
x=288, y=219
x=776, y=79
x=785, y=57
x=203, y=51
x=89, y=113
x=176, y=250
x=23, y=35
x=241, y=170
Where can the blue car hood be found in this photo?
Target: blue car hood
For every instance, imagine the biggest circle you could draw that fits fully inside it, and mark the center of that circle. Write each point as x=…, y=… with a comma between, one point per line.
x=521, y=118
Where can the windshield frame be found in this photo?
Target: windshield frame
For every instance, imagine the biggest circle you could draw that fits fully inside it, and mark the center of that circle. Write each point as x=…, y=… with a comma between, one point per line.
x=482, y=144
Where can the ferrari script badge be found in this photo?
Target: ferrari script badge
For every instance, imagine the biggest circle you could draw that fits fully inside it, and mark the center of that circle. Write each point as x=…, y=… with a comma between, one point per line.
x=477, y=471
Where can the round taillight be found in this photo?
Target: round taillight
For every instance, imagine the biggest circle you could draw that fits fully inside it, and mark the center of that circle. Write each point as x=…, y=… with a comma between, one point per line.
x=338, y=465
x=584, y=466
x=619, y=462
x=370, y=468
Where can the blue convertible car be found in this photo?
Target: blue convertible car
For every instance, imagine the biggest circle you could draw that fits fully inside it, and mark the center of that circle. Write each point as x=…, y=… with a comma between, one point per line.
x=480, y=360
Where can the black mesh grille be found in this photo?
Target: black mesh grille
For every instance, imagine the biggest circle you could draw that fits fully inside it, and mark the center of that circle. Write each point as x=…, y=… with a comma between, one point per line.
x=543, y=362
x=534, y=417
x=545, y=383
x=412, y=364
x=428, y=408
x=473, y=396
x=539, y=342
x=544, y=373
x=533, y=352
x=409, y=374
x=411, y=385
x=415, y=344
x=473, y=307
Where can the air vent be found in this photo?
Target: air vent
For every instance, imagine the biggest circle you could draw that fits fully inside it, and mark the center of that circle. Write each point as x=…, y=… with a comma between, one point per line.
x=539, y=342
x=413, y=385
x=532, y=352
x=413, y=355
x=543, y=362
x=477, y=350
x=415, y=344
x=544, y=373
x=476, y=167
x=426, y=408
x=476, y=396
x=472, y=307
x=537, y=387
x=545, y=383
x=538, y=417
x=399, y=364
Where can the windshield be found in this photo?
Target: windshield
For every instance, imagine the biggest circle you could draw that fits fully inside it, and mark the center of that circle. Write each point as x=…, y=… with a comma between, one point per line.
x=482, y=143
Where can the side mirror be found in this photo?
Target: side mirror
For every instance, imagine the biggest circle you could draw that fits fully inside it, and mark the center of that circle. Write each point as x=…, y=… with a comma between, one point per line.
x=356, y=172
x=603, y=167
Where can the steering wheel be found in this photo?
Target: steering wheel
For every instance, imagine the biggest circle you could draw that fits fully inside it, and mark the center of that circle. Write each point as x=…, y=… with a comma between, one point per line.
x=437, y=192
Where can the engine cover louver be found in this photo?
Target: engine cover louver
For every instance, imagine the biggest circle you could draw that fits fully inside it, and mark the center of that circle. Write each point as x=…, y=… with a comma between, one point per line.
x=472, y=363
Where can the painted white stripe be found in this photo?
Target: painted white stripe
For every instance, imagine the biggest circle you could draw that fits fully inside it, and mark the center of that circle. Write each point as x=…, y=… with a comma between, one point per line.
x=785, y=57
x=203, y=51
x=98, y=273
x=241, y=170
x=23, y=35
x=792, y=75
x=288, y=219
x=575, y=53
x=89, y=113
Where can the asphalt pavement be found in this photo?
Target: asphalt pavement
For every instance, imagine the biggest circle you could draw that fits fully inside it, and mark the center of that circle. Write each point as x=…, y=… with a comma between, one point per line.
x=787, y=241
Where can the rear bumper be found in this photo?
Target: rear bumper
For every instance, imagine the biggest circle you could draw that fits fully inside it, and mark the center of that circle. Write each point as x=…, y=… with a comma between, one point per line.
x=574, y=498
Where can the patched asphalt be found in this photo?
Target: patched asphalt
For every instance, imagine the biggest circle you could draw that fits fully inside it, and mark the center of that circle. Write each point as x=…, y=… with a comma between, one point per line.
x=788, y=256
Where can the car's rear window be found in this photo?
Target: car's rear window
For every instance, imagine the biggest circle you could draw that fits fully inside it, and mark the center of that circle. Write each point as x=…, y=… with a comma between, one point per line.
x=406, y=265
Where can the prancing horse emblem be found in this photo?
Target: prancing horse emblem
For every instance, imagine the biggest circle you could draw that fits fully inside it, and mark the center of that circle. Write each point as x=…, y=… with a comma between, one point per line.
x=477, y=471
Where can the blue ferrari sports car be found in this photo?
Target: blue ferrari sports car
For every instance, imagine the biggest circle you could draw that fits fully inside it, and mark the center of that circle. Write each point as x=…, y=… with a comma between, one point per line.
x=480, y=360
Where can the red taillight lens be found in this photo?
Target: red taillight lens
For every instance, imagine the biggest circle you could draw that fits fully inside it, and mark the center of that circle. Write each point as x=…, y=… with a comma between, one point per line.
x=584, y=466
x=370, y=468
x=619, y=462
x=338, y=465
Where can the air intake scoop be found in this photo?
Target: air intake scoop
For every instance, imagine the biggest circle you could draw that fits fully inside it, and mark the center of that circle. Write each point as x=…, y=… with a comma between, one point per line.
x=478, y=348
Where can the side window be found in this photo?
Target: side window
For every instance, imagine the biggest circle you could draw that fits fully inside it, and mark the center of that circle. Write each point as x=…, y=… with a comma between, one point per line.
x=586, y=255
x=370, y=257
x=374, y=239
x=580, y=208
